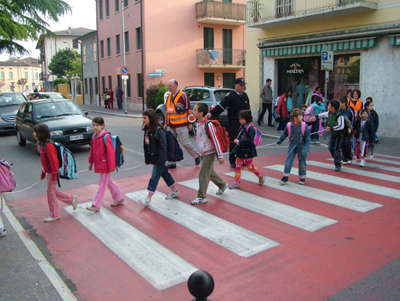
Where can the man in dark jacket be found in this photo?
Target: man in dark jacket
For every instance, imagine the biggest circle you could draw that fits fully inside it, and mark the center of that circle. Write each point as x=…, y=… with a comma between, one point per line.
x=234, y=102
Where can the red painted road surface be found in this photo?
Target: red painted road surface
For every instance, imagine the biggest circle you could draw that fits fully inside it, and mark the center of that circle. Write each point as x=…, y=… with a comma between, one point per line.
x=305, y=266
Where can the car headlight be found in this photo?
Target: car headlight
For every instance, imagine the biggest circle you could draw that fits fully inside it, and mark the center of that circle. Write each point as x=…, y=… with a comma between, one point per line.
x=1, y=119
x=89, y=128
x=56, y=133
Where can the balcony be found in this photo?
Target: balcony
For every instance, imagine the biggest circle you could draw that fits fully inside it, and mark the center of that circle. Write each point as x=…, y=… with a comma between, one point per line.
x=220, y=58
x=221, y=13
x=269, y=13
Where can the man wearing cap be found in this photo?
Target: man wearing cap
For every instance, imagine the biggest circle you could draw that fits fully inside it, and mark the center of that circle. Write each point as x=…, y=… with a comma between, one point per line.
x=177, y=110
x=234, y=102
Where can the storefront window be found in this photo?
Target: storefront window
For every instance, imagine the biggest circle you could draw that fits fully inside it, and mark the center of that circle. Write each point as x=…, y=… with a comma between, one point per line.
x=305, y=74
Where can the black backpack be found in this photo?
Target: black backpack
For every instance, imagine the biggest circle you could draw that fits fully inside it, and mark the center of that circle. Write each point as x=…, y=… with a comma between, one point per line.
x=174, y=151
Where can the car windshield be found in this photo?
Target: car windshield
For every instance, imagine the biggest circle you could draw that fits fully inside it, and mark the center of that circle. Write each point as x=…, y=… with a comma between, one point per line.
x=7, y=99
x=53, y=109
x=220, y=94
x=53, y=96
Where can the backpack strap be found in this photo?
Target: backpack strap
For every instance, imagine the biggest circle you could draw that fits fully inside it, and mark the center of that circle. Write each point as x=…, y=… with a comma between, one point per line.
x=303, y=128
x=289, y=129
x=105, y=139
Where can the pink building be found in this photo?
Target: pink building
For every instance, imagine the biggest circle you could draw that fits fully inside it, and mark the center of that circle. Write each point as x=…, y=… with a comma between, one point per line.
x=197, y=43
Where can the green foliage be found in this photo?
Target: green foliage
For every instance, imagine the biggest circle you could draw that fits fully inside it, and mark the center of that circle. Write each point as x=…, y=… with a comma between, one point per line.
x=61, y=62
x=22, y=20
x=22, y=82
x=76, y=67
x=155, y=95
x=61, y=80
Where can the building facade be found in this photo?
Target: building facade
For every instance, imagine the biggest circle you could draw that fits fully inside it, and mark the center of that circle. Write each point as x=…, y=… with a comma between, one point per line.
x=90, y=68
x=20, y=75
x=196, y=43
x=290, y=37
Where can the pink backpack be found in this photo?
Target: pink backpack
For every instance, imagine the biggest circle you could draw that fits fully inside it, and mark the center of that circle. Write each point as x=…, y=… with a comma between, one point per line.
x=257, y=136
x=7, y=182
x=289, y=128
x=309, y=114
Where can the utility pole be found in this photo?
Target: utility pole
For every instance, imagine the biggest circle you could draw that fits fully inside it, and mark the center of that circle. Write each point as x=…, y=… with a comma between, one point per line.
x=123, y=52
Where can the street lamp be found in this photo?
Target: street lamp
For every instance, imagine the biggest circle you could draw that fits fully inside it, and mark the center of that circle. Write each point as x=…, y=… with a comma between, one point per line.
x=18, y=60
x=74, y=80
x=64, y=41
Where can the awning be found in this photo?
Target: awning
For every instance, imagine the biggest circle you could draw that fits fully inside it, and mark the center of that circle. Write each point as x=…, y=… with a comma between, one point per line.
x=394, y=40
x=343, y=45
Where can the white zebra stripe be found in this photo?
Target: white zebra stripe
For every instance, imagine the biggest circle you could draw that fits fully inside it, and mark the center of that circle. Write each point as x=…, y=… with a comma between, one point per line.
x=375, y=166
x=154, y=262
x=359, y=172
x=239, y=240
x=337, y=180
x=393, y=162
x=287, y=214
x=314, y=193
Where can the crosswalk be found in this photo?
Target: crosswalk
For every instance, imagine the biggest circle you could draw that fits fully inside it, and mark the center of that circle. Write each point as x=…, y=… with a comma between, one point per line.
x=161, y=267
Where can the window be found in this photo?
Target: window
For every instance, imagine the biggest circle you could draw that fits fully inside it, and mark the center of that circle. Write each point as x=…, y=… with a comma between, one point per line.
x=25, y=74
x=116, y=5
x=126, y=2
x=94, y=52
x=128, y=87
x=108, y=47
x=2, y=75
x=109, y=82
x=96, y=86
x=102, y=49
x=75, y=44
x=118, y=43
x=101, y=9
x=10, y=75
x=103, y=84
x=140, y=84
x=208, y=38
x=84, y=54
x=138, y=38
x=283, y=8
x=86, y=86
x=126, y=41
x=107, y=8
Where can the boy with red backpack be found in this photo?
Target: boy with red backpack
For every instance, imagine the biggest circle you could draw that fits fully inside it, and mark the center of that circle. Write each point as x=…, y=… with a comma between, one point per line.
x=208, y=144
x=299, y=143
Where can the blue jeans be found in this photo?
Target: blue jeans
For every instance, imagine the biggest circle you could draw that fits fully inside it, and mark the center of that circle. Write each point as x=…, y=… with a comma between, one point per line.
x=334, y=146
x=293, y=150
x=157, y=173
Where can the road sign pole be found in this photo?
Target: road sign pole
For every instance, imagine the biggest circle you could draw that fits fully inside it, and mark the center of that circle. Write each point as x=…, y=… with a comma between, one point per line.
x=125, y=104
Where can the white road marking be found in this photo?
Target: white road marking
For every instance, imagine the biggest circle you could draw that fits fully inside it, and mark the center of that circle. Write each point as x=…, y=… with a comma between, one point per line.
x=368, y=163
x=383, y=160
x=60, y=286
x=314, y=193
x=239, y=240
x=359, y=172
x=154, y=262
x=337, y=180
x=287, y=214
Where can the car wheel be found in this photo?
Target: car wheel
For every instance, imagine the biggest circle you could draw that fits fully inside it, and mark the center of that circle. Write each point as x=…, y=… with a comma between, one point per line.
x=161, y=118
x=21, y=141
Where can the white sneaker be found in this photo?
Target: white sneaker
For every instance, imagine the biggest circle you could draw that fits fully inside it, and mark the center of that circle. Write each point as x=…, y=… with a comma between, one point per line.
x=3, y=232
x=362, y=163
x=145, y=201
x=75, y=202
x=221, y=190
x=172, y=194
x=51, y=219
x=261, y=181
x=198, y=201
x=234, y=185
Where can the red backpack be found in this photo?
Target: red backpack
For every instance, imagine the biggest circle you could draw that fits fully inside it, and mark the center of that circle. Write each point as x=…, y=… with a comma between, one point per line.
x=222, y=137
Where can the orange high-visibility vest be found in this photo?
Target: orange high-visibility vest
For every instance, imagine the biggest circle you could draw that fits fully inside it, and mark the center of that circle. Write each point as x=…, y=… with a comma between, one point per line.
x=357, y=106
x=172, y=116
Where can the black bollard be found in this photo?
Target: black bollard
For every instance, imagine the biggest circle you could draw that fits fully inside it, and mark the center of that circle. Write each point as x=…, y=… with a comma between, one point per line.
x=200, y=285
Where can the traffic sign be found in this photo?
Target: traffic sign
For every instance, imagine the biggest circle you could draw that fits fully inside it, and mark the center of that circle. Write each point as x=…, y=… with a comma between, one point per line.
x=124, y=70
x=46, y=83
x=327, y=60
x=155, y=74
x=125, y=77
x=46, y=76
x=160, y=70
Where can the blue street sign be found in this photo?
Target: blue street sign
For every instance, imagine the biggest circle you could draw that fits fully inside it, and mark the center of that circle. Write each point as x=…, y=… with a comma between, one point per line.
x=124, y=70
x=155, y=74
x=46, y=83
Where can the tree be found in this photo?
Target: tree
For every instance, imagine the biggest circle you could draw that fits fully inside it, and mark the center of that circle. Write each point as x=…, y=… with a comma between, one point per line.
x=76, y=67
x=60, y=63
x=22, y=20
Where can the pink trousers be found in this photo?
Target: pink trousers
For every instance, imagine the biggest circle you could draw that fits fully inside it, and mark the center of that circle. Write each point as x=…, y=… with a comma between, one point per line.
x=53, y=194
x=107, y=182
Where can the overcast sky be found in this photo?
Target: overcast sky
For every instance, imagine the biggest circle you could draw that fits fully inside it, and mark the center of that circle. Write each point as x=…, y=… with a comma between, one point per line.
x=83, y=15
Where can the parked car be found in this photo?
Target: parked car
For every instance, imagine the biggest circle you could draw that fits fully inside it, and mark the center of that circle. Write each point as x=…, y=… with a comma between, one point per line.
x=45, y=95
x=209, y=95
x=9, y=104
x=67, y=123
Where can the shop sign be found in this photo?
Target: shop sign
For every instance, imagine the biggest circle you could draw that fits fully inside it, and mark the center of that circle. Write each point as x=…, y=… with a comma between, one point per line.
x=295, y=68
x=327, y=60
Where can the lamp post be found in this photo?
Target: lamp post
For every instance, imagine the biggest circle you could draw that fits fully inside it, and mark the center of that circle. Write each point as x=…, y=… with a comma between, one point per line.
x=74, y=80
x=65, y=42
x=19, y=67
x=33, y=81
x=123, y=52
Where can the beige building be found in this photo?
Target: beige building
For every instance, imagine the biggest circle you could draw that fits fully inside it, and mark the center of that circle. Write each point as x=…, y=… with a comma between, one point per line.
x=286, y=39
x=20, y=75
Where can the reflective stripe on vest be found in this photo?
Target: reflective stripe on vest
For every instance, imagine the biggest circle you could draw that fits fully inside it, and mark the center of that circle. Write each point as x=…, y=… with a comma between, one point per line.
x=172, y=116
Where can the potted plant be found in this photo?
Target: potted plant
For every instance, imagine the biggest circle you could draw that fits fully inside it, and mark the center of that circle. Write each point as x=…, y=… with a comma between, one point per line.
x=255, y=7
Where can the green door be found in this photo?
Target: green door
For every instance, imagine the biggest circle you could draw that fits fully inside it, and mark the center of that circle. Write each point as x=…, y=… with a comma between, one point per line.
x=228, y=80
x=227, y=46
x=209, y=79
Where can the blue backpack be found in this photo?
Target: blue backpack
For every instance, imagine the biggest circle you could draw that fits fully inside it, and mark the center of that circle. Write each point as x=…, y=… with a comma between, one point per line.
x=174, y=151
x=67, y=165
x=118, y=148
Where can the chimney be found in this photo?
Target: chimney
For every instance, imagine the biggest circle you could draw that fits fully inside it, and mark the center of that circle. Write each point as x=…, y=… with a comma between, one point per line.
x=69, y=30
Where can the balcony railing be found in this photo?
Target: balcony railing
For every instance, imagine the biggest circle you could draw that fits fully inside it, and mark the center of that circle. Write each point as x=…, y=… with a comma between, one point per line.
x=259, y=11
x=212, y=10
x=220, y=58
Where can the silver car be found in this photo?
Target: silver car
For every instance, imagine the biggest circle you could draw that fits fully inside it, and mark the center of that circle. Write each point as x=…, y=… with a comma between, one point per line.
x=9, y=104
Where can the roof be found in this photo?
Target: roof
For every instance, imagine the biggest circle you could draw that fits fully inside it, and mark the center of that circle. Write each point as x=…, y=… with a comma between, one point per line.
x=70, y=32
x=94, y=32
x=26, y=62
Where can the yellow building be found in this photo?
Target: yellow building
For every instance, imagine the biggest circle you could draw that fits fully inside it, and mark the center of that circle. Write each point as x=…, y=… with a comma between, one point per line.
x=286, y=39
x=20, y=75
